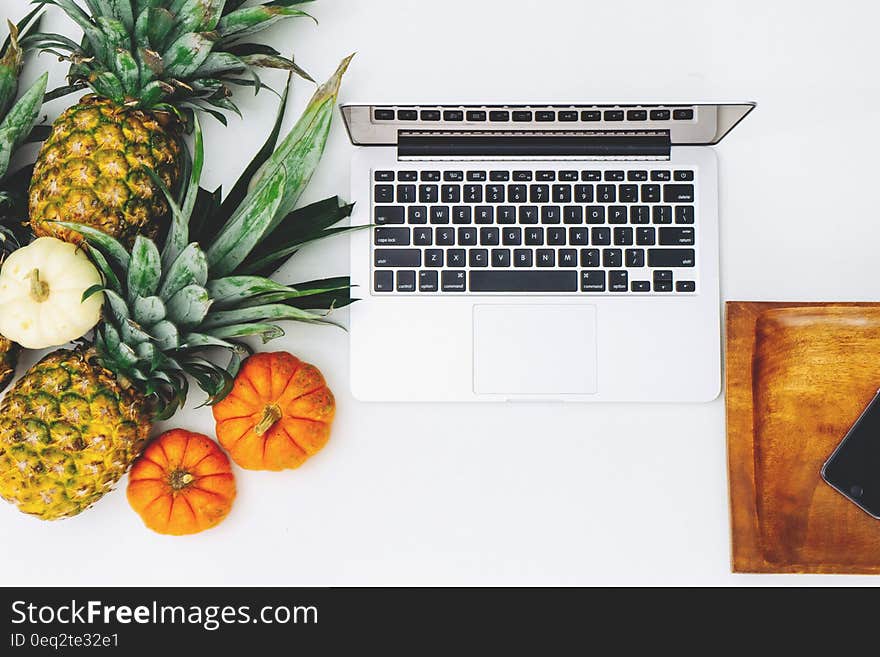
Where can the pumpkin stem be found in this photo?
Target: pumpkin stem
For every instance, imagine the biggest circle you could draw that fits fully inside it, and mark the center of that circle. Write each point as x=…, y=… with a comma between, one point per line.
x=271, y=415
x=180, y=479
x=39, y=289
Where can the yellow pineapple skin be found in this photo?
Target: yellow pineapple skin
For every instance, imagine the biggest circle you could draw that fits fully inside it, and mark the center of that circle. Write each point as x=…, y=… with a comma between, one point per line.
x=93, y=170
x=68, y=432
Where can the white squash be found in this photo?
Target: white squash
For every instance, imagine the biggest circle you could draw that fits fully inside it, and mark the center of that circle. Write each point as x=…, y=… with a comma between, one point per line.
x=41, y=288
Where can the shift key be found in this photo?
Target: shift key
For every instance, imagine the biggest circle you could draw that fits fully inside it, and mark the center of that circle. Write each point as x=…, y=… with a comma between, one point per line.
x=398, y=257
x=670, y=258
x=678, y=193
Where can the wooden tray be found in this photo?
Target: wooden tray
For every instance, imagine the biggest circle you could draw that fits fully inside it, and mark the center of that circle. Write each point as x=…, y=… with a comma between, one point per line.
x=798, y=376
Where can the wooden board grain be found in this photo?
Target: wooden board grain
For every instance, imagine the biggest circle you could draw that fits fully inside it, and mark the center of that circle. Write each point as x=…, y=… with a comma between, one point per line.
x=797, y=377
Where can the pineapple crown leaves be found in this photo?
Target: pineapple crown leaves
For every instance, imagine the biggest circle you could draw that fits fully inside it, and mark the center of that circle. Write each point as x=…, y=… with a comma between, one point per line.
x=183, y=54
x=167, y=309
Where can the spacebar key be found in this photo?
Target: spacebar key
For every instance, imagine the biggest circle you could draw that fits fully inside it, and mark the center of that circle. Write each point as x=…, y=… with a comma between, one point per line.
x=523, y=281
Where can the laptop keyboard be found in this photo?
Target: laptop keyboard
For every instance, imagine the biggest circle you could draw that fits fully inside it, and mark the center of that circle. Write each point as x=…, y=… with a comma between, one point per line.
x=612, y=231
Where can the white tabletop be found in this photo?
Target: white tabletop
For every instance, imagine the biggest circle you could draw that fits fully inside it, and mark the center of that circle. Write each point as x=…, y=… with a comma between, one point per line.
x=527, y=494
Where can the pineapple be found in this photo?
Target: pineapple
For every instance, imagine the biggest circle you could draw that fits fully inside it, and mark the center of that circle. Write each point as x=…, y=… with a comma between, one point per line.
x=72, y=425
x=16, y=122
x=149, y=64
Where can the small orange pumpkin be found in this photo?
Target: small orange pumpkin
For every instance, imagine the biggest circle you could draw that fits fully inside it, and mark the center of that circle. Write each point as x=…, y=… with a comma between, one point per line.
x=278, y=413
x=181, y=484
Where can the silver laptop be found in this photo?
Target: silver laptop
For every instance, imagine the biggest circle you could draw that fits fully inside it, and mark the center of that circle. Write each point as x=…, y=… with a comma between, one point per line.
x=536, y=252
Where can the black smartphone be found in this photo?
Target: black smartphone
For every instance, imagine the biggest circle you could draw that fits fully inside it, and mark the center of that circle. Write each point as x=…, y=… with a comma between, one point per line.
x=854, y=467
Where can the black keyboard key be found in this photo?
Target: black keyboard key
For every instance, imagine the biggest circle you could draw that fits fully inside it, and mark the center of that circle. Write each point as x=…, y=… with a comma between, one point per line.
x=473, y=193
x=484, y=214
x=417, y=214
x=683, y=114
x=591, y=176
x=522, y=176
x=578, y=236
x=545, y=258
x=678, y=193
x=646, y=236
x=568, y=176
x=618, y=281
x=660, y=115
x=545, y=115
x=601, y=236
x=439, y=214
x=614, y=175
x=523, y=281
x=407, y=115
x=383, y=193
x=539, y=193
x=629, y=194
x=406, y=280
x=545, y=176
x=383, y=176
x=453, y=176
x=556, y=236
x=661, y=176
x=528, y=214
x=567, y=115
x=573, y=214
x=490, y=237
x=444, y=236
x=388, y=214
x=623, y=236
x=612, y=258
x=562, y=193
x=606, y=193
x=511, y=236
x=591, y=115
x=383, y=281
x=639, y=214
x=450, y=194
x=499, y=115
x=467, y=236
x=589, y=257
x=406, y=193
x=516, y=193
x=455, y=257
x=427, y=281
x=663, y=275
x=593, y=281
x=383, y=115
x=583, y=193
x=506, y=214
x=423, y=236
x=636, y=176
x=476, y=115
x=391, y=237
x=434, y=257
x=662, y=286
x=634, y=258
x=453, y=115
x=453, y=281
x=428, y=193
x=476, y=176
x=407, y=176
x=568, y=258
x=397, y=258
x=613, y=115
x=429, y=115
x=461, y=214
x=479, y=258
x=640, y=286
x=650, y=193
x=522, y=115
x=534, y=236
x=685, y=286
x=550, y=214
x=617, y=214
x=682, y=175
x=430, y=176
x=684, y=214
x=494, y=193
x=671, y=257
x=522, y=257
x=501, y=257
x=499, y=176
x=595, y=214
x=676, y=237
x=637, y=115
x=662, y=214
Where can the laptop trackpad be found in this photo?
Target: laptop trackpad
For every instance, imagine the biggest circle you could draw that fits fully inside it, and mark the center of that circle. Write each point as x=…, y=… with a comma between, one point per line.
x=534, y=349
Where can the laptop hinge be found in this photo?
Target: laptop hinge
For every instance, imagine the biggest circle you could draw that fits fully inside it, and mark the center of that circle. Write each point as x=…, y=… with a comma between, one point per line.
x=550, y=145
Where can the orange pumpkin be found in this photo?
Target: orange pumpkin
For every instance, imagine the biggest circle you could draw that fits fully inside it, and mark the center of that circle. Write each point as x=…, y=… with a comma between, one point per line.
x=182, y=484
x=278, y=413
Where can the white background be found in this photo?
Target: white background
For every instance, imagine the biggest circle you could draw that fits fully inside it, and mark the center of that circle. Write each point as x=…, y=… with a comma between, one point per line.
x=535, y=493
